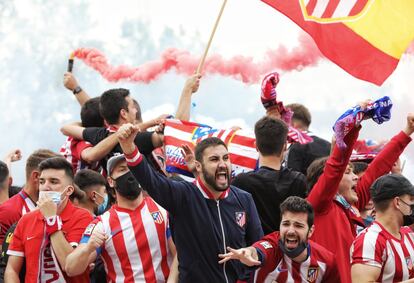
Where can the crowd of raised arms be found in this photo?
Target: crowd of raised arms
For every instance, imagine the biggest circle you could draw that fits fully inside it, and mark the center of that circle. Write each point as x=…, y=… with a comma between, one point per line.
x=106, y=207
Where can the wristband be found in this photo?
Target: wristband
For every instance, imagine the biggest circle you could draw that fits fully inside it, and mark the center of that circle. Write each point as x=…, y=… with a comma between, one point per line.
x=53, y=224
x=77, y=89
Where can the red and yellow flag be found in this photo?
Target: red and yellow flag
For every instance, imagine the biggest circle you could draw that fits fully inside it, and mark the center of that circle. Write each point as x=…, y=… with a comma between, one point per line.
x=364, y=37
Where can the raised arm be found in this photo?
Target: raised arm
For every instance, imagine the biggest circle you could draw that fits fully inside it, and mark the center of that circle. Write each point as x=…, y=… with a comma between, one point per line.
x=12, y=156
x=70, y=82
x=384, y=161
x=184, y=105
x=99, y=151
x=325, y=189
x=168, y=193
x=153, y=122
x=73, y=129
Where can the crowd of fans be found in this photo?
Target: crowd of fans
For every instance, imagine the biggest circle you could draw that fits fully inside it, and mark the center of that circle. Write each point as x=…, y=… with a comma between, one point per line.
x=105, y=208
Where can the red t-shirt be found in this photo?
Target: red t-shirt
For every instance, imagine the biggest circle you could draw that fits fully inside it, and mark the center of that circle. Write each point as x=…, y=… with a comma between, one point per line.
x=12, y=210
x=30, y=241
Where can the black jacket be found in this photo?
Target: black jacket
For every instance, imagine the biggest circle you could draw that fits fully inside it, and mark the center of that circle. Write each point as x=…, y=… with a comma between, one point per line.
x=203, y=227
x=269, y=189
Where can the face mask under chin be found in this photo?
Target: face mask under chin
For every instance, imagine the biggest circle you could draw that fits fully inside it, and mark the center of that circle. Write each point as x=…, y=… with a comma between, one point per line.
x=292, y=253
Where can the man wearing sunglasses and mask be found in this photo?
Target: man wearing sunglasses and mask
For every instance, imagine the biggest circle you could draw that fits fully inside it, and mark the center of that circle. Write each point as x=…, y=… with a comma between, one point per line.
x=384, y=252
x=288, y=255
x=45, y=237
x=133, y=237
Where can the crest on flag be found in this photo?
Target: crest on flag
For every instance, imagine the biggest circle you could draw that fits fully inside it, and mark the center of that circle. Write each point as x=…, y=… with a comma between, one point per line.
x=241, y=218
x=157, y=216
x=241, y=145
x=331, y=11
x=202, y=132
x=312, y=274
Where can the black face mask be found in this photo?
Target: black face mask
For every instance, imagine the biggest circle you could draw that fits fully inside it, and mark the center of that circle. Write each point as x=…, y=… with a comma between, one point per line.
x=127, y=186
x=408, y=220
x=292, y=253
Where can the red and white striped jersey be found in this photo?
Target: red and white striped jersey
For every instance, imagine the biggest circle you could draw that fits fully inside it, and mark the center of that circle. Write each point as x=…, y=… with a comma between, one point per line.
x=277, y=267
x=137, y=246
x=375, y=246
x=72, y=150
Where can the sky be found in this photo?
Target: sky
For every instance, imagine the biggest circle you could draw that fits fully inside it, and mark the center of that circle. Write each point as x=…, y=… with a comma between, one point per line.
x=36, y=38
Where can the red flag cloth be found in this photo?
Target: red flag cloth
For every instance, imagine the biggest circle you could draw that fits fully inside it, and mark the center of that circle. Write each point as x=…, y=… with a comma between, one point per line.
x=366, y=38
x=240, y=143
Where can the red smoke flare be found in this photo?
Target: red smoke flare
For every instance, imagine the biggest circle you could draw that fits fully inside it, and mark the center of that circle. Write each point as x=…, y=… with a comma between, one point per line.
x=239, y=67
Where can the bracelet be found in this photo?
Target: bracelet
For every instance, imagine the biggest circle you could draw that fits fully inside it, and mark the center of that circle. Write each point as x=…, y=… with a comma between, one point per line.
x=53, y=224
x=77, y=89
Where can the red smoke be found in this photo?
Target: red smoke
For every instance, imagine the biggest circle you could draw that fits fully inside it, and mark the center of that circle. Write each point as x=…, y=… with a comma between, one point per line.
x=239, y=67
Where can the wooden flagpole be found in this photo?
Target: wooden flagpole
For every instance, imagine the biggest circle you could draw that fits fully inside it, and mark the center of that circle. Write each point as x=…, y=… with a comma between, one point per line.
x=201, y=64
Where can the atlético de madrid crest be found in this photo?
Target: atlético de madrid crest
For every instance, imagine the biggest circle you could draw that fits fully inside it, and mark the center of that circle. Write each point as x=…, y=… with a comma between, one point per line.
x=157, y=216
x=330, y=11
x=241, y=218
x=312, y=274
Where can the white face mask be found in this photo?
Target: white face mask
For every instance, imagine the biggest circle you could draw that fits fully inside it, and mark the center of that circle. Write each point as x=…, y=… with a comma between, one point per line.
x=55, y=196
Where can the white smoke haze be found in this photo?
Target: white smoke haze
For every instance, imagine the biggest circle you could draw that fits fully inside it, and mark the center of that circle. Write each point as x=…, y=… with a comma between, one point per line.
x=36, y=38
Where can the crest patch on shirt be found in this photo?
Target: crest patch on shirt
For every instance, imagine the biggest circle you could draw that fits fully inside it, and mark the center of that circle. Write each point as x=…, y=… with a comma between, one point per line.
x=241, y=218
x=157, y=216
x=409, y=263
x=89, y=229
x=266, y=245
x=312, y=274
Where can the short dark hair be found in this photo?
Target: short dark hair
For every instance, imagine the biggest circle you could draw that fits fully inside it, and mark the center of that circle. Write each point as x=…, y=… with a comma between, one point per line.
x=78, y=194
x=112, y=102
x=90, y=114
x=300, y=113
x=382, y=205
x=315, y=170
x=86, y=178
x=359, y=166
x=271, y=135
x=206, y=143
x=4, y=172
x=36, y=158
x=387, y=187
x=58, y=163
x=138, y=116
x=297, y=204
